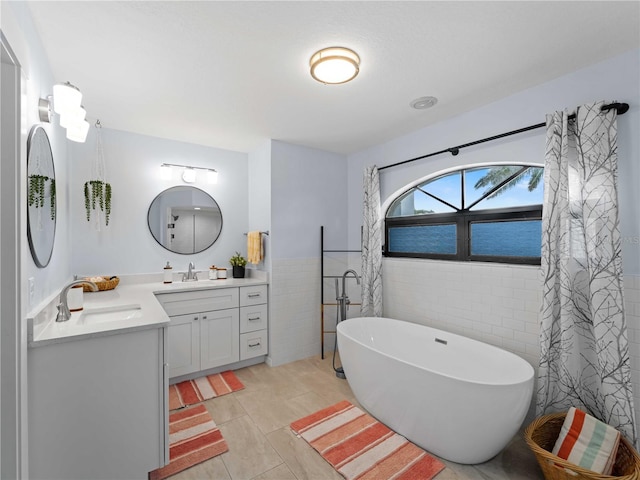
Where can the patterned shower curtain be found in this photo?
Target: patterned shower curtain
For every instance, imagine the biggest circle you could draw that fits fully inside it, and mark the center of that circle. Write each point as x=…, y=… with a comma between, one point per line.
x=584, y=357
x=371, y=246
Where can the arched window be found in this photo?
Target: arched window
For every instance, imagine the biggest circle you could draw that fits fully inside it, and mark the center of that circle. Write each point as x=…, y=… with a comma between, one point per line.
x=488, y=213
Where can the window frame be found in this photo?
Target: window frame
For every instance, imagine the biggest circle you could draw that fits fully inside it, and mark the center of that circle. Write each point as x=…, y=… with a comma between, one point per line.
x=463, y=220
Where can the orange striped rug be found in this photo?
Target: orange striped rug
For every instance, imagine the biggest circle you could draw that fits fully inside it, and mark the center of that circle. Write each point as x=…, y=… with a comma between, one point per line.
x=193, y=438
x=195, y=391
x=360, y=447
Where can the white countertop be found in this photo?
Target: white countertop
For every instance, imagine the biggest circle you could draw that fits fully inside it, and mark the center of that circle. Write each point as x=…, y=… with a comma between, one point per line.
x=44, y=330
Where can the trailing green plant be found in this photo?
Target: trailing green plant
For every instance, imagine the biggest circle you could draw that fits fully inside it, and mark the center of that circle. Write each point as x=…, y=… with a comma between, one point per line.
x=36, y=192
x=238, y=260
x=97, y=194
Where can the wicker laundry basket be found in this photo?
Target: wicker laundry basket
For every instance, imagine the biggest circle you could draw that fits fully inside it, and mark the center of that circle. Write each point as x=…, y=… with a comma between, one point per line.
x=541, y=436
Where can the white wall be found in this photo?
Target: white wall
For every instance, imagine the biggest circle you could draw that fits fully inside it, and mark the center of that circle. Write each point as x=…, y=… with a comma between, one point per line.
x=260, y=198
x=308, y=189
x=38, y=80
x=499, y=304
x=132, y=168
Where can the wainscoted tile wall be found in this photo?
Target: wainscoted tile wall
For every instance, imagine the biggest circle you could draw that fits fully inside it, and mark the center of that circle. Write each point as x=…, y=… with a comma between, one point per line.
x=632, y=309
x=294, y=317
x=497, y=304
x=294, y=329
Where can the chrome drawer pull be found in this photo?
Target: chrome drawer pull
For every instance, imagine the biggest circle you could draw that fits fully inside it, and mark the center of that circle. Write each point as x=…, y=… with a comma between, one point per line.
x=253, y=295
x=254, y=318
x=254, y=345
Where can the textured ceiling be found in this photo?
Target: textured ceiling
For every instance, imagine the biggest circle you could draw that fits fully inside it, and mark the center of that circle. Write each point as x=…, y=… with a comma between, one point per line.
x=232, y=74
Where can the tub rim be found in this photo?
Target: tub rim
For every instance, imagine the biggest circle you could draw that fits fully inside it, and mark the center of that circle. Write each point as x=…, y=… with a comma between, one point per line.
x=529, y=378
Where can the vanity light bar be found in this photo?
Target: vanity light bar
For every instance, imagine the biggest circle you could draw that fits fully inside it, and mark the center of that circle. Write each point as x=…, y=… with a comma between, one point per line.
x=189, y=172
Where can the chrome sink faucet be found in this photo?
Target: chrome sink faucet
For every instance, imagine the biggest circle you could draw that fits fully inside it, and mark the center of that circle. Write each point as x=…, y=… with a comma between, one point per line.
x=191, y=275
x=63, y=307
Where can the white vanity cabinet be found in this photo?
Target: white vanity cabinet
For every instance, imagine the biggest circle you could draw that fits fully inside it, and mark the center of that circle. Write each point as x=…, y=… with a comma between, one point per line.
x=215, y=327
x=92, y=402
x=253, y=321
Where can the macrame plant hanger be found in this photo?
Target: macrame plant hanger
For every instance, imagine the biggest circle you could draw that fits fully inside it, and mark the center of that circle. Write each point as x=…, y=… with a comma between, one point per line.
x=97, y=191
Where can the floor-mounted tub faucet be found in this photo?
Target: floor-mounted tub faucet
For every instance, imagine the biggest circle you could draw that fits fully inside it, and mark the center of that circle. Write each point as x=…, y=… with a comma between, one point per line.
x=63, y=307
x=343, y=299
x=341, y=313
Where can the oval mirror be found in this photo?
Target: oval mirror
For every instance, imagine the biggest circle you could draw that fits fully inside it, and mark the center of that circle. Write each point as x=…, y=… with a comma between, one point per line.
x=41, y=196
x=184, y=220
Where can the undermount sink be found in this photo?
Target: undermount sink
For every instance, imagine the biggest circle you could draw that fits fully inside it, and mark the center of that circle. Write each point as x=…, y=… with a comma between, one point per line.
x=113, y=313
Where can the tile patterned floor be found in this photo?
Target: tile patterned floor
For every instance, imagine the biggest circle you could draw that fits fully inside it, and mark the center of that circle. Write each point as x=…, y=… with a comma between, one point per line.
x=255, y=422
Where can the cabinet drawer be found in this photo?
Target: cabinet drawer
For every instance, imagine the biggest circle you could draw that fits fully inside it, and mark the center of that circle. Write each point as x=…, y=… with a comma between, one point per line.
x=253, y=344
x=181, y=303
x=253, y=318
x=254, y=295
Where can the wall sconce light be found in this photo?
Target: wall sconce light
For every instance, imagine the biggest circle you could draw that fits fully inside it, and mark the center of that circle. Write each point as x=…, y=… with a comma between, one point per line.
x=44, y=110
x=67, y=100
x=189, y=174
x=66, y=97
x=77, y=132
x=334, y=65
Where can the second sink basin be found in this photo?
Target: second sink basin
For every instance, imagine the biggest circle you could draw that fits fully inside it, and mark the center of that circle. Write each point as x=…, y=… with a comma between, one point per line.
x=112, y=313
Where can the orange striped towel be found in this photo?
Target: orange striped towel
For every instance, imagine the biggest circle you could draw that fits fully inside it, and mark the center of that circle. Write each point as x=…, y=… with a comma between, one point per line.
x=587, y=442
x=254, y=247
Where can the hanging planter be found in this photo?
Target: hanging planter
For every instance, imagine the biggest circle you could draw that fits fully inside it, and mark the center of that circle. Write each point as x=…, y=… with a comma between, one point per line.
x=37, y=192
x=97, y=194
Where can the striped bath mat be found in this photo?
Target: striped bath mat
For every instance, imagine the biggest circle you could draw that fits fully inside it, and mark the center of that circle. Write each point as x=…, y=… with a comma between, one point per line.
x=358, y=446
x=193, y=438
x=195, y=391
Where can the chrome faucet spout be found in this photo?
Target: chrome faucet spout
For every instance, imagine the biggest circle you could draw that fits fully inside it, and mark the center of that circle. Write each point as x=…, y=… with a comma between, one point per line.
x=63, y=307
x=191, y=275
x=344, y=277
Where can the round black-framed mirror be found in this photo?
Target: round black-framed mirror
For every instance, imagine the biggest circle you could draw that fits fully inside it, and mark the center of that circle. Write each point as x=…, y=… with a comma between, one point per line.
x=184, y=220
x=41, y=196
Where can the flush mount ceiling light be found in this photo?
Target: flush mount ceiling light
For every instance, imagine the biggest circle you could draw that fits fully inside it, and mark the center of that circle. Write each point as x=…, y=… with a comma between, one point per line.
x=423, y=103
x=334, y=65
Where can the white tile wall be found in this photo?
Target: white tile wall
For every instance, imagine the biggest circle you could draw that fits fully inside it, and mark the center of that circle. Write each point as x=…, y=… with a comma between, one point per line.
x=632, y=309
x=294, y=321
x=497, y=304
x=294, y=329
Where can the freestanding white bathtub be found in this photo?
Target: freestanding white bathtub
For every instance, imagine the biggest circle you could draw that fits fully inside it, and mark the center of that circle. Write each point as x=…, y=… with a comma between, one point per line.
x=457, y=398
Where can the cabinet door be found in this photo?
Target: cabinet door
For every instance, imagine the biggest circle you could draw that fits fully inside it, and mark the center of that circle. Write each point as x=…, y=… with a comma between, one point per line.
x=184, y=344
x=219, y=338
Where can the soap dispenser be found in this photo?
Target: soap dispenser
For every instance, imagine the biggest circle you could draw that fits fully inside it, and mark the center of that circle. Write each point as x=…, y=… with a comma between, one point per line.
x=168, y=274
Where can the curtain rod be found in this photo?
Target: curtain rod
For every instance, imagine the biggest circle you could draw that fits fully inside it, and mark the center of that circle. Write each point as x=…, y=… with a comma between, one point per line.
x=620, y=107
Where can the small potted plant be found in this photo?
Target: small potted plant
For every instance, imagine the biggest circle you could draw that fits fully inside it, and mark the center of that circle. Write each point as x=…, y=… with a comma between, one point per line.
x=238, y=262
